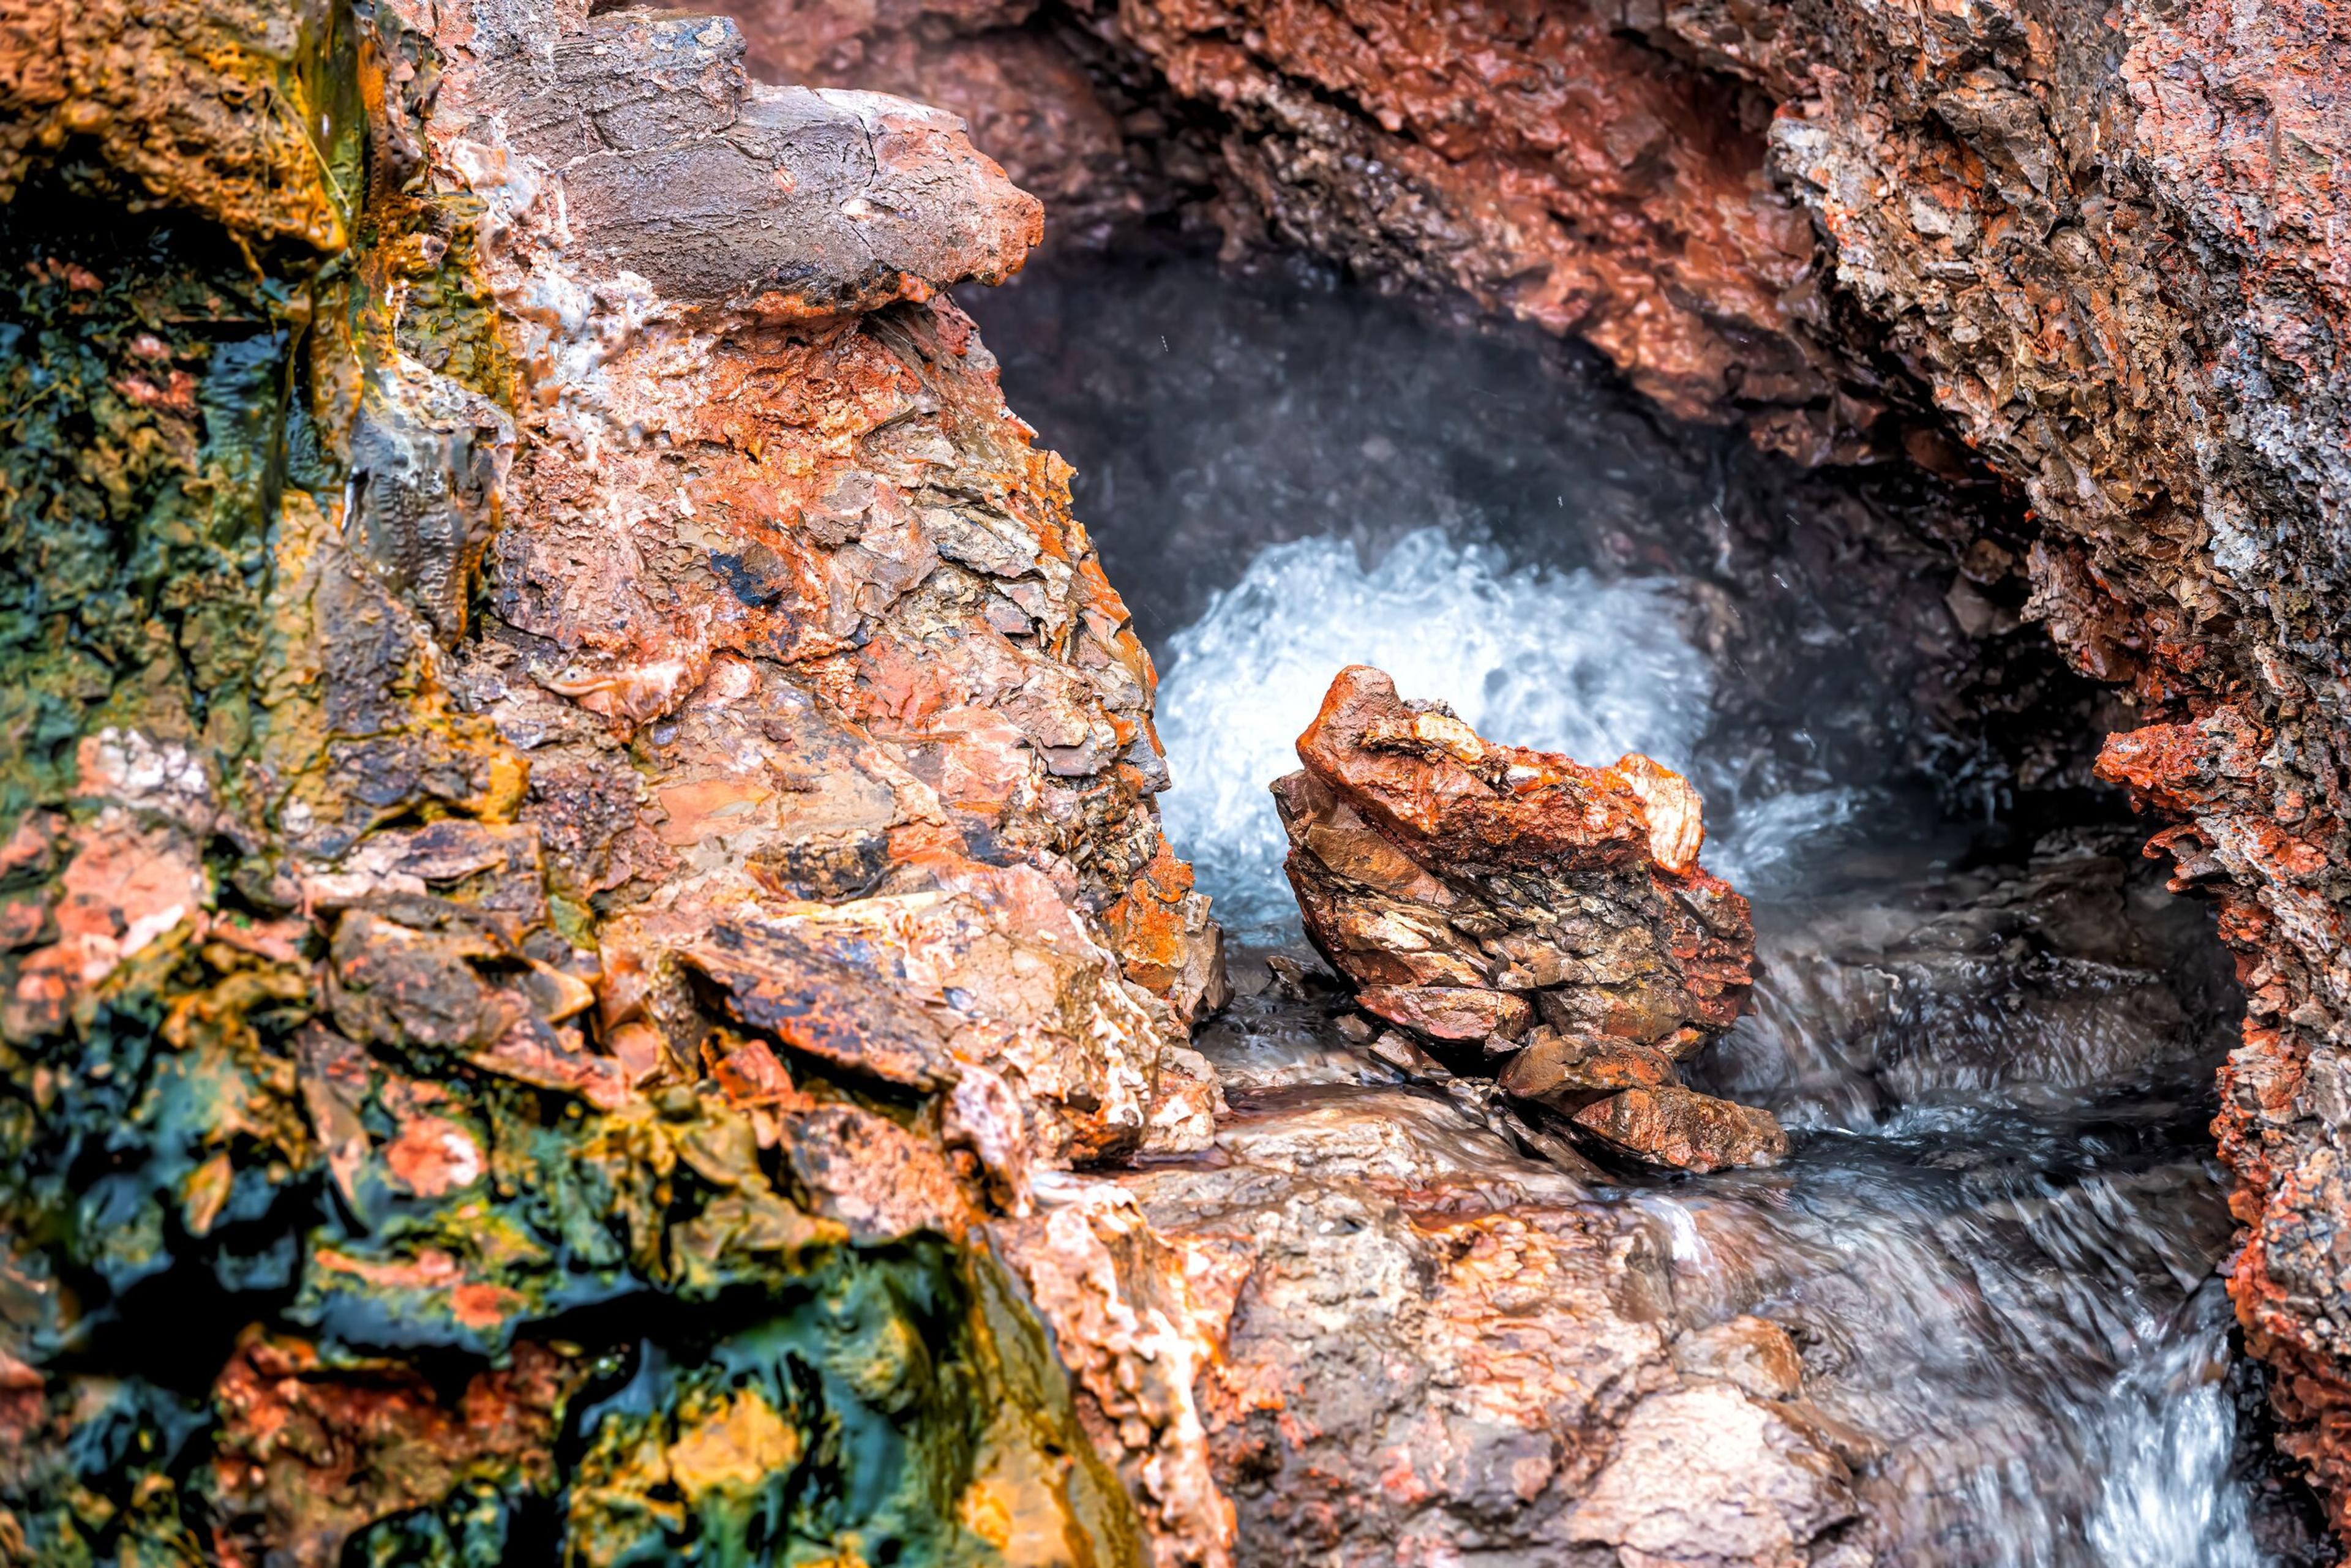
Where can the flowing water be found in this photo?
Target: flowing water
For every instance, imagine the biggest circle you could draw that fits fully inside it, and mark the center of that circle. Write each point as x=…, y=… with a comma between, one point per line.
x=1998, y=1236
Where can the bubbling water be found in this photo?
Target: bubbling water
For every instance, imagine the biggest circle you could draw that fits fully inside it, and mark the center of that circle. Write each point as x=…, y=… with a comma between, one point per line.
x=1560, y=661
x=2009, y=1291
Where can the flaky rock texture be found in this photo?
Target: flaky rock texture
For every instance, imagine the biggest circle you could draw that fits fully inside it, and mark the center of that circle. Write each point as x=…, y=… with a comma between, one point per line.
x=1531, y=156
x=2105, y=242
x=578, y=812
x=1408, y=1346
x=1517, y=906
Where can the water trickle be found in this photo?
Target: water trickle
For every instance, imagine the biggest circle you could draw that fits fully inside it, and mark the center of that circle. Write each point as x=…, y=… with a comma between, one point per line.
x=2170, y=1429
x=1996, y=1240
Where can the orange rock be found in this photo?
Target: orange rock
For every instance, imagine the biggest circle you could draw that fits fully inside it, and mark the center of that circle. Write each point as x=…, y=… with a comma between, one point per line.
x=1450, y=1012
x=1165, y=941
x=1671, y=1125
x=1466, y=887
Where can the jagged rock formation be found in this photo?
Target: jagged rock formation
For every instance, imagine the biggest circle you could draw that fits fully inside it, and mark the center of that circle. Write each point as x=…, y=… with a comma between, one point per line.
x=2105, y=244
x=1406, y=1346
x=577, y=811
x=564, y=756
x=1513, y=905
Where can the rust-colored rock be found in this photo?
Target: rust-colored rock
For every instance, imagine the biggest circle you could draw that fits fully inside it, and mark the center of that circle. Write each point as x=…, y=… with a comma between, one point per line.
x=2249, y=838
x=1414, y=1346
x=173, y=93
x=621, y=829
x=1531, y=156
x=309, y=1448
x=2105, y=242
x=1469, y=890
x=1139, y=1318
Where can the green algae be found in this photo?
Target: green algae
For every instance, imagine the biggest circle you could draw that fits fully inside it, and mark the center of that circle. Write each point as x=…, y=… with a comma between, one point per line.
x=859, y=1426
x=142, y=369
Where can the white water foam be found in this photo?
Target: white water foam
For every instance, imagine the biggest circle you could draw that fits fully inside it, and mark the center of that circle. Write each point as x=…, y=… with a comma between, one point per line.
x=1758, y=845
x=1560, y=661
x=2168, y=1499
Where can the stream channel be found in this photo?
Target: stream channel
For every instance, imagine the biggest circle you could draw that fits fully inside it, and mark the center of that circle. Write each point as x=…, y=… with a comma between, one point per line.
x=1998, y=1239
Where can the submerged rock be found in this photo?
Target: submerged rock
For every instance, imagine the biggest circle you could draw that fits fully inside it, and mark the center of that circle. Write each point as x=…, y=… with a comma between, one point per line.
x=1551, y=917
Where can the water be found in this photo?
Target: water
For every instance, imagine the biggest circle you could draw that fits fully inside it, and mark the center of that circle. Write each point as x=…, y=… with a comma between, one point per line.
x=1997, y=1237
x=1558, y=660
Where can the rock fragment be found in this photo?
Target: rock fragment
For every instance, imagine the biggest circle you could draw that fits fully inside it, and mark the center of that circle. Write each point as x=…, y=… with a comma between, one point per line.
x=1549, y=917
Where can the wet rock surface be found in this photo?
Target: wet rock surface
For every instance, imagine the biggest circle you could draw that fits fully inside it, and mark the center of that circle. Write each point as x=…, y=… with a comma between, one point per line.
x=2100, y=243
x=1938, y=1332
x=1412, y=1342
x=579, y=846
x=1546, y=921
x=598, y=843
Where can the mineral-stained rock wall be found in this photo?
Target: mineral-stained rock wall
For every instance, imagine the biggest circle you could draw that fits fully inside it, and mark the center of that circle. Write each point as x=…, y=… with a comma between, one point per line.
x=574, y=806
x=2106, y=243
x=577, y=809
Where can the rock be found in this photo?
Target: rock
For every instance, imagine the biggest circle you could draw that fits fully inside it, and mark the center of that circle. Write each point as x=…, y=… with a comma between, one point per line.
x=1754, y=1353
x=1449, y=1012
x=1709, y=1477
x=165, y=91
x=1417, y=1346
x=1568, y=1073
x=1466, y=888
x=644, y=821
x=1670, y=1126
x=1139, y=1318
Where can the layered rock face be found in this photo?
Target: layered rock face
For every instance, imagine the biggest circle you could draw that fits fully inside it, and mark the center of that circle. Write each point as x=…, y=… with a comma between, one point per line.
x=1418, y=1347
x=577, y=811
x=2102, y=243
x=1513, y=905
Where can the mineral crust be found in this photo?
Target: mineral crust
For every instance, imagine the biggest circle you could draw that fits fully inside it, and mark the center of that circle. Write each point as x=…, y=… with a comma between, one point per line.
x=1548, y=918
x=577, y=811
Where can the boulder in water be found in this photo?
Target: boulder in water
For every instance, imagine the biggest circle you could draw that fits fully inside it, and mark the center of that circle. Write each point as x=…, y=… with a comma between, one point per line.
x=1551, y=917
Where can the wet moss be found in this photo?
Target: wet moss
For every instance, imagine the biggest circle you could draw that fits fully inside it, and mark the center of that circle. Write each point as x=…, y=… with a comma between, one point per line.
x=863, y=1423
x=142, y=368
